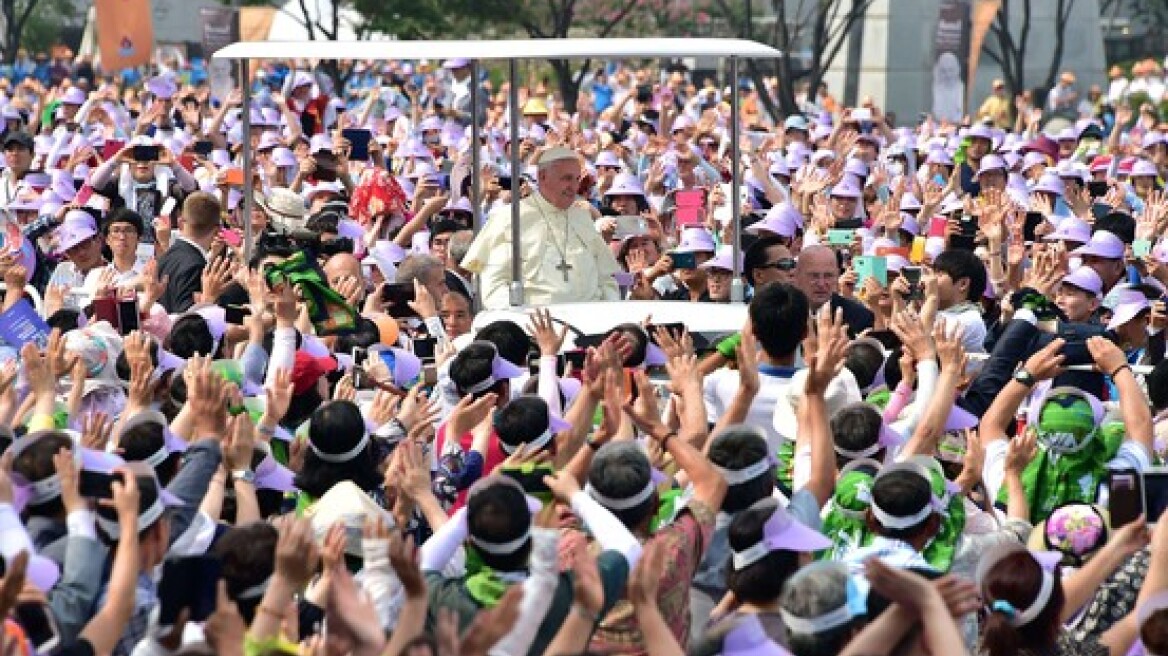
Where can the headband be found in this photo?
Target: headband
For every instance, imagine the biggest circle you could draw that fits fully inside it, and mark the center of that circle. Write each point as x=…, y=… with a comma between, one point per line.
x=145, y=520
x=534, y=445
x=256, y=591
x=856, y=605
x=749, y=472
x=483, y=385
x=1018, y=618
x=623, y=504
x=501, y=548
x=337, y=458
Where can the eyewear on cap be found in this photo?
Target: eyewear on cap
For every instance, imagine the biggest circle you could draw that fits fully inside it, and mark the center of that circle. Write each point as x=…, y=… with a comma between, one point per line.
x=782, y=264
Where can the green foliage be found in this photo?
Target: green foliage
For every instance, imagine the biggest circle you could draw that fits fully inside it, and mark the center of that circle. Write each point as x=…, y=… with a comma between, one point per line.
x=435, y=19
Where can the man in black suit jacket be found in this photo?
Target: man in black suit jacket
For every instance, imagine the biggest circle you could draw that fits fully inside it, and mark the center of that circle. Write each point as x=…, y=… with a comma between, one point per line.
x=183, y=263
x=817, y=275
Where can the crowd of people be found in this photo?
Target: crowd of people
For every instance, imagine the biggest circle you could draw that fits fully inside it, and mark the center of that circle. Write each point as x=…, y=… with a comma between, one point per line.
x=933, y=432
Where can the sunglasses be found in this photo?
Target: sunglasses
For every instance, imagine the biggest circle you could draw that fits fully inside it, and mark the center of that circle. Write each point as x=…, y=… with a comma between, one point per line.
x=783, y=264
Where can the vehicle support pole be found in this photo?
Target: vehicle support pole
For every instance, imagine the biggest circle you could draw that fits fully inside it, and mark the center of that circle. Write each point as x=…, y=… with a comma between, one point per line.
x=248, y=175
x=476, y=152
x=737, y=289
x=516, y=178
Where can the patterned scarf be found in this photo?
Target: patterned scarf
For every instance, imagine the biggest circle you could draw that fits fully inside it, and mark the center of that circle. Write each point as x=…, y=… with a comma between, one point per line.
x=329, y=311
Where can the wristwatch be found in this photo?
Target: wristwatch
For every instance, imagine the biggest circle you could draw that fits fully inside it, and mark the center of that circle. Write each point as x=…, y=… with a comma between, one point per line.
x=245, y=475
x=1025, y=378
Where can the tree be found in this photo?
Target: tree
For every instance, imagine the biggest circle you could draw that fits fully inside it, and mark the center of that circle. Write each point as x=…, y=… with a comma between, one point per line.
x=1009, y=43
x=16, y=14
x=817, y=27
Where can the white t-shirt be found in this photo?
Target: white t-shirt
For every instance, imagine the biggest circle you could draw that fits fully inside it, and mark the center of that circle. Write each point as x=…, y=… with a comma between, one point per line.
x=720, y=386
x=972, y=324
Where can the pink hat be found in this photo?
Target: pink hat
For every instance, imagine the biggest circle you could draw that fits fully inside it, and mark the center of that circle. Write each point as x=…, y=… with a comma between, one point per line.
x=1129, y=303
x=607, y=158
x=625, y=184
x=782, y=219
x=76, y=228
x=991, y=163
x=320, y=142
x=856, y=167
x=1050, y=183
x=939, y=156
x=847, y=188
x=696, y=240
x=723, y=260
x=1071, y=229
x=1033, y=158
x=73, y=96
x=1102, y=244
x=1144, y=168
x=781, y=531
x=162, y=87
x=301, y=79
x=980, y=131
x=1086, y=279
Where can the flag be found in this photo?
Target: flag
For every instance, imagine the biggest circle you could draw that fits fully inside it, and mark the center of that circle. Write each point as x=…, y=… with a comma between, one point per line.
x=125, y=33
x=984, y=13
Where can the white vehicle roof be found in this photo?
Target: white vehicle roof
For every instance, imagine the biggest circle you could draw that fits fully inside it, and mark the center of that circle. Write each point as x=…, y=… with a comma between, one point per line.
x=598, y=318
x=499, y=49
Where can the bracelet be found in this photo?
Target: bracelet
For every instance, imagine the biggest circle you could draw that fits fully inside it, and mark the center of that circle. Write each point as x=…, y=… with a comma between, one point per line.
x=1119, y=369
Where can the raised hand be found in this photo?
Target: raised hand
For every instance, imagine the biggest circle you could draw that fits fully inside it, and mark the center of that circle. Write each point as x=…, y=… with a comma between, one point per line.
x=543, y=329
x=824, y=350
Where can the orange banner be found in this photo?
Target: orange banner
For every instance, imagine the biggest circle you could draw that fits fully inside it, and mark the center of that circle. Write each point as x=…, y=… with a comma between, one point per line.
x=983, y=15
x=125, y=33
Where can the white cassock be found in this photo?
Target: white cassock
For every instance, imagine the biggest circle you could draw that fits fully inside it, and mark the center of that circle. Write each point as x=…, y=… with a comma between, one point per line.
x=550, y=238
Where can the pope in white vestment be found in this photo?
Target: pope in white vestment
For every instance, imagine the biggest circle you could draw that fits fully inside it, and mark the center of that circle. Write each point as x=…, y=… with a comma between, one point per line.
x=564, y=257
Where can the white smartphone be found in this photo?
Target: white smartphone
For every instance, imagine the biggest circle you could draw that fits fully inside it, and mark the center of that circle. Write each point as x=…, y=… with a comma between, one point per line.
x=168, y=207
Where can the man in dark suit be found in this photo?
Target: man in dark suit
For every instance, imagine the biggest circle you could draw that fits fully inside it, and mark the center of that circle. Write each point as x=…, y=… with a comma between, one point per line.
x=183, y=263
x=817, y=275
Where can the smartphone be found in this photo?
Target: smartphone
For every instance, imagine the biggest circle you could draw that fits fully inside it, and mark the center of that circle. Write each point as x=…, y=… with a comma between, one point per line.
x=912, y=275
x=937, y=226
x=849, y=224
x=1097, y=188
x=1155, y=481
x=397, y=297
x=871, y=266
x=1033, y=220
x=39, y=626
x=424, y=348
x=106, y=309
x=360, y=355
x=629, y=226
x=203, y=148
x=128, y=318
x=530, y=478
x=687, y=216
x=191, y=583
x=684, y=260
x=690, y=198
x=1125, y=496
x=962, y=241
x=96, y=485
x=1142, y=248
x=504, y=182
x=358, y=143
x=838, y=237
x=326, y=167
x=235, y=314
x=145, y=153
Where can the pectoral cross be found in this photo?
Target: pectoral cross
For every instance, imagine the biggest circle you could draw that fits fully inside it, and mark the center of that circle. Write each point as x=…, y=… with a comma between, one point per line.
x=564, y=268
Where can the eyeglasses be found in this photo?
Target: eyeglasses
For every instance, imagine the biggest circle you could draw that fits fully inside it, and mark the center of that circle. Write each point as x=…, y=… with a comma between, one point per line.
x=122, y=230
x=783, y=264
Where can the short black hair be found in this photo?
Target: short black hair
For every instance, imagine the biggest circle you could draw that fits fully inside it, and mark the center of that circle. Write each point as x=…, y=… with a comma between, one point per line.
x=864, y=360
x=523, y=420
x=1120, y=224
x=511, y=340
x=124, y=215
x=755, y=256
x=498, y=513
x=639, y=339
x=248, y=555
x=901, y=493
x=35, y=463
x=959, y=263
x=778, y=315
x=190, y=336
x=144, y=440
x=855, y=427
x=472, y=366
x=733, y=449
x=761, y=581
